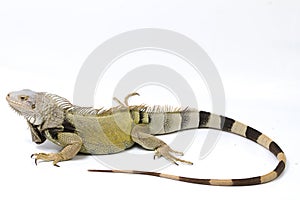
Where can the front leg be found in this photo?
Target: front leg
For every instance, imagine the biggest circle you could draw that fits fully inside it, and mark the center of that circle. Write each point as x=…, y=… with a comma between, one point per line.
x=71, y=143
x=140, y=135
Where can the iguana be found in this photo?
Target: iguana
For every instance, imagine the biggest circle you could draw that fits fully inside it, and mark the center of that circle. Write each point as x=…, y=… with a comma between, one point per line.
x=105, y=131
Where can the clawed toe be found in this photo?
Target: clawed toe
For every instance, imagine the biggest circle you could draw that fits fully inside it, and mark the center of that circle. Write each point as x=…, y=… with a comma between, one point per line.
x=179, y=153
x=55, y=157
x=166, y=151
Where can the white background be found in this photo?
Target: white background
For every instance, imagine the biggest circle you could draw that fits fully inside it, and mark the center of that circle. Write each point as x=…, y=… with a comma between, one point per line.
x=255, y=46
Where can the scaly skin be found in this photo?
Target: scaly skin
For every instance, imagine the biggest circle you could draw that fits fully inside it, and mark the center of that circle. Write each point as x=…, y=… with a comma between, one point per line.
x=99, y=131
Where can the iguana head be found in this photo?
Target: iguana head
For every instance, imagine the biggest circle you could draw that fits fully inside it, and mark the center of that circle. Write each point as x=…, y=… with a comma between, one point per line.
x=25, y=103
x=41, y=110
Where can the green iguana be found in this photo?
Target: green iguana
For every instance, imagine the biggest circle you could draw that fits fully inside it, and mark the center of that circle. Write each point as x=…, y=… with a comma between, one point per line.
x=100, y=131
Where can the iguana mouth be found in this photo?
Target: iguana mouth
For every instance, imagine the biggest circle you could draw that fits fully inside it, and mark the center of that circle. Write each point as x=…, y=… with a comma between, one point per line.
x=13, y=104
x=10, y=101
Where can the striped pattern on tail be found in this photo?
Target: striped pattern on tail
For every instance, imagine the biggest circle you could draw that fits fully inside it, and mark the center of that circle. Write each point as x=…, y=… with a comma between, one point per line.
x=164, y=122
x=208, y=120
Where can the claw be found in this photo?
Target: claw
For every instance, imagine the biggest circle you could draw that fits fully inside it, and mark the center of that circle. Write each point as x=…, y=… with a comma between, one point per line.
x=35, y=159
x=56, y=165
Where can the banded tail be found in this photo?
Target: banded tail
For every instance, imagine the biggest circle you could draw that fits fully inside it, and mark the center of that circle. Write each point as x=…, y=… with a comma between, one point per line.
x=194, y=120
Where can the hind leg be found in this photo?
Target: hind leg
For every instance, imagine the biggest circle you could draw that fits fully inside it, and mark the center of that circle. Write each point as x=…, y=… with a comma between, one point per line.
x=139, y=135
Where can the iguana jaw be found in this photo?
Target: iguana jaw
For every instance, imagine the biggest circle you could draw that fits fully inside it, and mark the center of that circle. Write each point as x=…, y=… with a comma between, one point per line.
x=14, y=104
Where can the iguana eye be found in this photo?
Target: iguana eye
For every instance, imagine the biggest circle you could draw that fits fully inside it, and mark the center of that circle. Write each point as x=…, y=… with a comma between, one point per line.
x=33, y=106
x=24, y=98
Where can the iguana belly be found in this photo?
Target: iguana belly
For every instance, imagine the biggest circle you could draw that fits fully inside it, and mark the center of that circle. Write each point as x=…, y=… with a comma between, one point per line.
x=103, y=134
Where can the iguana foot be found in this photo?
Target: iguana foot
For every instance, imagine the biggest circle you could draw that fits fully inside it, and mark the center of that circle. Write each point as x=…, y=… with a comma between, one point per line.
x=165, y=151
x=55, y=157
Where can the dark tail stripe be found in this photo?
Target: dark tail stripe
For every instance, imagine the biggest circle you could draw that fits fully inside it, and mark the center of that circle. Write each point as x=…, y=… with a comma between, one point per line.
x=247, y=181
x=280, y=167
x=195, y=180
x=252, y=134
x=146, y=173
x=226, y=123
x=274, y=148
x=203, y=118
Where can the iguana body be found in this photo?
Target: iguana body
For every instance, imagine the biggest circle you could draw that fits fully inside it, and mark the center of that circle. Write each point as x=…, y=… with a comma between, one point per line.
x=99, y=131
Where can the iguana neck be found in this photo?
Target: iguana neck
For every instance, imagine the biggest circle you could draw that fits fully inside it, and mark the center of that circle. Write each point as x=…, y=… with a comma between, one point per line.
x=54, y=110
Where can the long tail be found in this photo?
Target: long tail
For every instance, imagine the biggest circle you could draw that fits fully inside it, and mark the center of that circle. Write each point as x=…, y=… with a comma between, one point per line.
x=208, y=120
